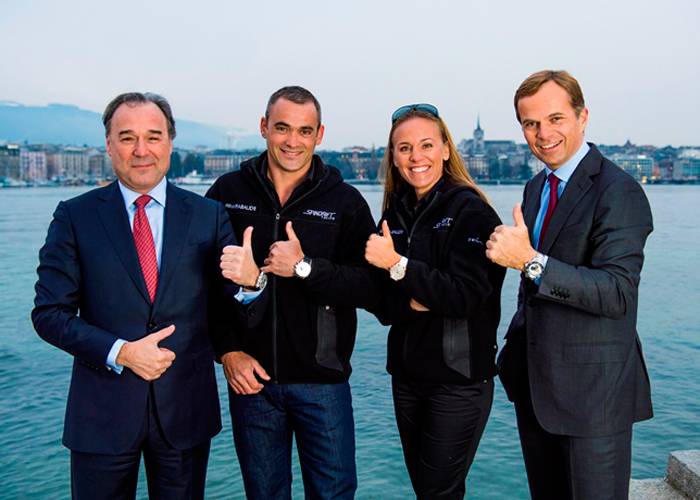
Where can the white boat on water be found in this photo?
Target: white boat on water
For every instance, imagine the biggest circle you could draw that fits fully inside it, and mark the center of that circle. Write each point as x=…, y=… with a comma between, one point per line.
x=194, y=178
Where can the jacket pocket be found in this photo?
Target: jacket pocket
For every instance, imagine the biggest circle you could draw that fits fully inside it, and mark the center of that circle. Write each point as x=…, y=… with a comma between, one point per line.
x=456, y=346
x=327, y=338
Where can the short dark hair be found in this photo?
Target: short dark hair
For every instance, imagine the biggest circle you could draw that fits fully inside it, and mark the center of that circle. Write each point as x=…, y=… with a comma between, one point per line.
x=136, y=98
x=296, y=94
x=562, y=78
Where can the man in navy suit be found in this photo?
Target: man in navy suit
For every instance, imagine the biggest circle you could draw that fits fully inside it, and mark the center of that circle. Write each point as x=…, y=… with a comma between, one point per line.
x=573, y=363
x=129, y=284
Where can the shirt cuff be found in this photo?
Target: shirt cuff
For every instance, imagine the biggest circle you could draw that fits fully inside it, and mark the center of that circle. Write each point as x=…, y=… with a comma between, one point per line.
x=247, y=297
x=112, y=356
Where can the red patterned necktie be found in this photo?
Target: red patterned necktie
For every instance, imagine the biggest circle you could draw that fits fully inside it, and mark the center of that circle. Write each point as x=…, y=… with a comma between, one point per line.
x=553, y=198
x=143, y=238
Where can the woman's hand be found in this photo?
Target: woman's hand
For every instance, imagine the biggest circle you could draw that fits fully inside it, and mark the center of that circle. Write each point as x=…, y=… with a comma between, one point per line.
x=379, y=250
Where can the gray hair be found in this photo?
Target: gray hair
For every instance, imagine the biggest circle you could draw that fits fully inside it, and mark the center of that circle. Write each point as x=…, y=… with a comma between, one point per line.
x=135, y=98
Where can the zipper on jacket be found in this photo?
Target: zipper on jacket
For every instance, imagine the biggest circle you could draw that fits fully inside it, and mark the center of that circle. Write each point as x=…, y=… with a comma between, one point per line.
x=275, y=229
x=408, y=253
x=273, y=279
x=415, y=223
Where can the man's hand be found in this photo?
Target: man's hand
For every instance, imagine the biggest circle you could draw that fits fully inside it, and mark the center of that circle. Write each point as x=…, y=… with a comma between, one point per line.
x=240, y=370
x=145, y=358
x=417, y=306
x=238, y=264
x=284, y=255
x=509, y=246
x=379, y=250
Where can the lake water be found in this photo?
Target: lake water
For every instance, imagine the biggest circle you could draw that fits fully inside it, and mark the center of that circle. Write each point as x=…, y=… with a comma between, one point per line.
x=34, y=376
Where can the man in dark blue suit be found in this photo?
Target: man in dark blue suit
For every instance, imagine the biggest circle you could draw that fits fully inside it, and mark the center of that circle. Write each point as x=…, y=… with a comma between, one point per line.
x=573, y=363
x=129, y=285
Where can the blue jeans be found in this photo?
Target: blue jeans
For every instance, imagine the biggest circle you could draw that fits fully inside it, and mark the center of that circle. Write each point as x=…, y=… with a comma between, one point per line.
x=320, y=416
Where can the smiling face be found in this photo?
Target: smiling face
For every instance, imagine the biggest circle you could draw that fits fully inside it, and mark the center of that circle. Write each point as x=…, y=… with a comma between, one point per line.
x=139, y=145
x=292, y=133
x=419, y=152
x=551, y=127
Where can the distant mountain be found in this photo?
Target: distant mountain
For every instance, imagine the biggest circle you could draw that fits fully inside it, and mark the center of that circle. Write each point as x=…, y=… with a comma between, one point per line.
x=68, y=124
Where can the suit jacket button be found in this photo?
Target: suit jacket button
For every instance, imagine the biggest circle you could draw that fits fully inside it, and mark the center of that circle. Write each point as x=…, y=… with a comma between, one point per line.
x=151, y=325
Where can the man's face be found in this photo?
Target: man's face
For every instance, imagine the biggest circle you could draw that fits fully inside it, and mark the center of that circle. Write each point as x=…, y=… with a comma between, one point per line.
x=139, y=145
x=292, y=133
x=550, y=125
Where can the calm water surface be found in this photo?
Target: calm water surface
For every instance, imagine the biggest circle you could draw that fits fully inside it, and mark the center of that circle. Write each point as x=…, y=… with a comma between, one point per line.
x=34, y=376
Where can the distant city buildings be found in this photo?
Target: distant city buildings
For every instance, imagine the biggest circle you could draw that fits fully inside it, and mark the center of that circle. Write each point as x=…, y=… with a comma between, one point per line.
x=219, y=162
x=9, y=161
x=495, y=160
x=32, y=165
x=687, y=165
x=641, y=167
x=487, y=160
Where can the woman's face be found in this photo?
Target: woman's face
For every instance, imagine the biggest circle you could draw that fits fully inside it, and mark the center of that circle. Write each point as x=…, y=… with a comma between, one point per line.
x=419, y=151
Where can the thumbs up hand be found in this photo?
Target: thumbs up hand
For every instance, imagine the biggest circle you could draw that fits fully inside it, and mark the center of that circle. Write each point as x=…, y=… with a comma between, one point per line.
x=379, y=250
x=237, y=262
x=284, y=255
x=509, y=246
x=145, y=357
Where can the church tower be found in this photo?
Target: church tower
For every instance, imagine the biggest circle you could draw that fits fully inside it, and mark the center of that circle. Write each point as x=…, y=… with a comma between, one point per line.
x=478, y=142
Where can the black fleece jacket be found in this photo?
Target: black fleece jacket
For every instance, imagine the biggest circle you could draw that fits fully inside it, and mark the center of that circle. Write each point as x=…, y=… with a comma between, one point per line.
x=444, y=240
x=307, y=331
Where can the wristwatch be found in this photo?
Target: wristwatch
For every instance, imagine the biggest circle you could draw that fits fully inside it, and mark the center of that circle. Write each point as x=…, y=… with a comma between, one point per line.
x=534, y=268
x=302, y=269
x=398, y=270
x=259, y=283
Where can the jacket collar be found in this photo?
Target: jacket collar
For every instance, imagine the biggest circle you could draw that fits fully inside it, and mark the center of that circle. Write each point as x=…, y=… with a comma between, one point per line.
x=176, y=223
x=579, y=183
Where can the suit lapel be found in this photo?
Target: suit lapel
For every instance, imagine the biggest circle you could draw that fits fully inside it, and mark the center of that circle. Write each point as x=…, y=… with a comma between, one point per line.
x=176, y=224
x=532, y=203
x=579, y=183
x=116, y=223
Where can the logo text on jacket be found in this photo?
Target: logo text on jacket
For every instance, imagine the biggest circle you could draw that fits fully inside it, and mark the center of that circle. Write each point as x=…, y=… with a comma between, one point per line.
x=445, y=222
x=321, y=214
x=241, y=206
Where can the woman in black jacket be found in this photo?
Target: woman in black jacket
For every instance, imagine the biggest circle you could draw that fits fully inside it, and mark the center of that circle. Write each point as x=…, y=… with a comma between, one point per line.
x=441, y=296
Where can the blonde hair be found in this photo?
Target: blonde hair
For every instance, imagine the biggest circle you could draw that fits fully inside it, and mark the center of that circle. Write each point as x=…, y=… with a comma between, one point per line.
x=453, y=168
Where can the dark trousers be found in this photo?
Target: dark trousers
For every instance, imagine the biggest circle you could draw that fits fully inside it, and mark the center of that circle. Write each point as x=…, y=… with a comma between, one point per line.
x=561, y=467
x=569, y=467
x=171, y=473
x=320, y=418
x=440, y=427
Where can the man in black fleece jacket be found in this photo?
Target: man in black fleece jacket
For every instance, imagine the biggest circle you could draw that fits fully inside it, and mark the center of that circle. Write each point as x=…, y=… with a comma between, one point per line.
x=304, y=229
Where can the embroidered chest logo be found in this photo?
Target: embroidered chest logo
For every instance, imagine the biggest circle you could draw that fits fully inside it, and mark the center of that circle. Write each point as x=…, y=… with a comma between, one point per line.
x=395, y=231
x=474, y=240
x=321, y=214
x=446, y=222
x=241, y=206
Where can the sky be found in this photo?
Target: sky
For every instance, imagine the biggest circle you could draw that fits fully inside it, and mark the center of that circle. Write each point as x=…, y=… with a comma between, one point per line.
x=217, y=62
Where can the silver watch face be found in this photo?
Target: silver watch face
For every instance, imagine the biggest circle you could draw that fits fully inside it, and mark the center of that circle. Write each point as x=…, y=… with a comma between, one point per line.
x=302, y=269
x=533, y=269
x=398, y=270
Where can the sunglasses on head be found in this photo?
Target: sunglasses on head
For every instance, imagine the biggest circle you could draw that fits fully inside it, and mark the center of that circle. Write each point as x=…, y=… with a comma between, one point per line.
x=425, y=107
